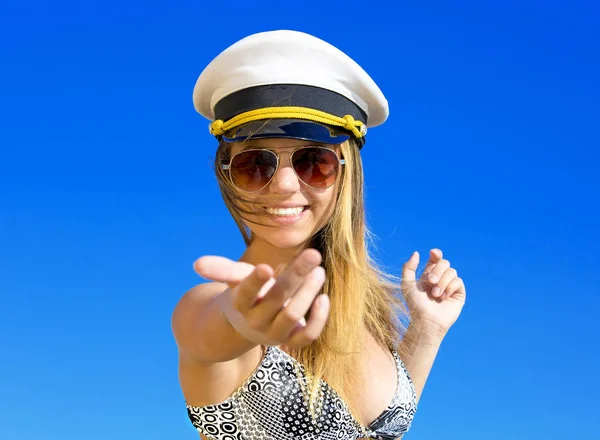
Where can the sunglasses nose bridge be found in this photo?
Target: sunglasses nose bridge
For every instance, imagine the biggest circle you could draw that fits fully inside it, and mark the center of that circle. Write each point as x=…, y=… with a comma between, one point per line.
x=285, y=180
x=284, y=162
x=285, y=158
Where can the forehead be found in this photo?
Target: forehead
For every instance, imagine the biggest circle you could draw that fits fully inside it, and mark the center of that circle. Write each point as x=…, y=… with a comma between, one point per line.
x=276, y=144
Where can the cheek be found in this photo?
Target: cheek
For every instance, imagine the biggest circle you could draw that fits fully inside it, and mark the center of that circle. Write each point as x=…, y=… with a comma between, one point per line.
x=326, y=203
x=247, y=212
x=249, y=203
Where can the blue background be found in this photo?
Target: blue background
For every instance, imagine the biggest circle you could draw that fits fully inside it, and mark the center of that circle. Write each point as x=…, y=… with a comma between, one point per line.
x=107, y=197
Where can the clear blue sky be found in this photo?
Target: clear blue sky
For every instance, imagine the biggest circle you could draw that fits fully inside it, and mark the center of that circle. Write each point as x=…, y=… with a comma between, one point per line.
x=107, y=197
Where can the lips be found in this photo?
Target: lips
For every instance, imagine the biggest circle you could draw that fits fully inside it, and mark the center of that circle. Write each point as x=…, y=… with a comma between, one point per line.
x=285, y=211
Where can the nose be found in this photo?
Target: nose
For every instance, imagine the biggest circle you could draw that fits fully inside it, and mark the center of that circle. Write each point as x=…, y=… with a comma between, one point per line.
x=285, y=180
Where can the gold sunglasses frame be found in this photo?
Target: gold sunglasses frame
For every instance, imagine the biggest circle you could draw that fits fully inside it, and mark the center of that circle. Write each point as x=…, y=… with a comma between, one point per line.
x=227, y=166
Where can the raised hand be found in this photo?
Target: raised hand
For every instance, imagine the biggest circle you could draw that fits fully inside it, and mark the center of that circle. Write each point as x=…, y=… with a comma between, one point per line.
x=438, y=297
x=270, y=310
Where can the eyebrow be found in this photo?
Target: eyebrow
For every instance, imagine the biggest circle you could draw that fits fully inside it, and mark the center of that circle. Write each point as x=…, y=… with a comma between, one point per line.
x=264, y=147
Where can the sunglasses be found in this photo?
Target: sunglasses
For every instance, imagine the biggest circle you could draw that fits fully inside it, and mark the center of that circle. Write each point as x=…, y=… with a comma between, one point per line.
x=252, y=170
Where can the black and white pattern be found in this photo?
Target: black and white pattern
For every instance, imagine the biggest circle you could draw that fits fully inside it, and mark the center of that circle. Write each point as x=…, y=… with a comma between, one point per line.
x=270, y=406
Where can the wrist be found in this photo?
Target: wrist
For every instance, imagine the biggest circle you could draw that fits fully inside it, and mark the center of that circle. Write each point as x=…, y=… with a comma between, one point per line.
x=426, y=332
x=238, y=323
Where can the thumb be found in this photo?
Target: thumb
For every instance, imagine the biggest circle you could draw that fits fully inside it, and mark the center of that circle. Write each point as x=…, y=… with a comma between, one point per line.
x=409, y=270
x=222, y=269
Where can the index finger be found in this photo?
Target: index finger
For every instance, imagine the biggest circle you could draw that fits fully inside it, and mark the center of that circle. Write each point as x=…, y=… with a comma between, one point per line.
x=254, y=287
x=435, y=255
x=222, y=269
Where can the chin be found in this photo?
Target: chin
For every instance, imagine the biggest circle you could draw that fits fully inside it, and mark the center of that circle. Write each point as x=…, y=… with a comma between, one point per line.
x=290, y=243
x=284, y=239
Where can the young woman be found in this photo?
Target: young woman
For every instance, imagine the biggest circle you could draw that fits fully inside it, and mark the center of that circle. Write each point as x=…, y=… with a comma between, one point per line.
x=303, y=337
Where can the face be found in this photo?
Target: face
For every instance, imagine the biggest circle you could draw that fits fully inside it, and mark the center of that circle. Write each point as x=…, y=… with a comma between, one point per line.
x=286, y=213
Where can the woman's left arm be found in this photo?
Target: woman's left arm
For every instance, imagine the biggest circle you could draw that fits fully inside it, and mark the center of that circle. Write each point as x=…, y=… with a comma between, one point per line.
x=419, y=349
x=435, y=302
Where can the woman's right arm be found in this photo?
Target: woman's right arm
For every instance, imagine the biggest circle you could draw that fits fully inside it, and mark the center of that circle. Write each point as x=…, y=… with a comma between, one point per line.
x=218, y=322
x=200, y=328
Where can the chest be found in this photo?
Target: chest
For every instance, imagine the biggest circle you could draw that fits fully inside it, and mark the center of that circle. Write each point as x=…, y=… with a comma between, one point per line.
x=271, y=400
x=377, y=385
x=377, y=382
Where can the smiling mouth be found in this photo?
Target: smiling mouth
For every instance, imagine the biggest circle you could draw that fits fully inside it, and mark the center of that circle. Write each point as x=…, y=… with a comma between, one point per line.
x=286, y=212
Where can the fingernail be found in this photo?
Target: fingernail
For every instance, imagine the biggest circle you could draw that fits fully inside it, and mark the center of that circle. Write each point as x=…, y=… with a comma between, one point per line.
x=435, y=291
x=433, y=278
x=318, y=273
x=323, y=302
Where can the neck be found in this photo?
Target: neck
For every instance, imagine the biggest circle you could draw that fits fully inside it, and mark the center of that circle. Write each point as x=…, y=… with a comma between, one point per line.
x=262, y=252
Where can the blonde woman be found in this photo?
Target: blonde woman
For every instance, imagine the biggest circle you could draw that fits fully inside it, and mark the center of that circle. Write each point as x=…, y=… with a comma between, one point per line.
x=303, y=337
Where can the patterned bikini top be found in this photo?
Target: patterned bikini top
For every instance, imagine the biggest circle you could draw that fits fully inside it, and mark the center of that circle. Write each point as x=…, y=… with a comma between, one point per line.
x=270, y=406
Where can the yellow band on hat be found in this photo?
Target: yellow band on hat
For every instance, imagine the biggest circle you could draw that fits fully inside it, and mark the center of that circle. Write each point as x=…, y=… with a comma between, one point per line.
x=357, y=128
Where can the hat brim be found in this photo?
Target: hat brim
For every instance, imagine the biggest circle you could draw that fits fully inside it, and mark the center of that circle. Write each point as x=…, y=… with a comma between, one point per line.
x=287, y=129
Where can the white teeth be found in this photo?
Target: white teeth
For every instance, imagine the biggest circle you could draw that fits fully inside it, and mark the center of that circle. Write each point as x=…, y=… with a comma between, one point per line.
x=285, y=211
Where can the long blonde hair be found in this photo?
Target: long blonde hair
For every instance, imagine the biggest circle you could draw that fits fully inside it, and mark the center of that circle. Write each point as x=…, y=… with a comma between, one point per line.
x=361, y=295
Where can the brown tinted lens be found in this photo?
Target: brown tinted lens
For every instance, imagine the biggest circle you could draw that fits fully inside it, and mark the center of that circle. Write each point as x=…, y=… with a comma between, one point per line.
x=251, y=170
x=317, y=167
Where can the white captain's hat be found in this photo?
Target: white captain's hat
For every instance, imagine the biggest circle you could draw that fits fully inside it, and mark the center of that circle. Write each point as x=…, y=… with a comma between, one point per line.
x=288, y=84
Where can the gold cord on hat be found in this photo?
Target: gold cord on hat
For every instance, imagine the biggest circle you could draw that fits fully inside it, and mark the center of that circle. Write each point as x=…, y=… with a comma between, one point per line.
x=357, y=128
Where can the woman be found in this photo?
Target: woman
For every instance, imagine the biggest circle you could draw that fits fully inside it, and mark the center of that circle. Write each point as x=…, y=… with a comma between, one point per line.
x=303, y=337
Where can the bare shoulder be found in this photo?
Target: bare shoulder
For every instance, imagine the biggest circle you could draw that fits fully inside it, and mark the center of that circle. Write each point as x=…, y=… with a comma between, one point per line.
x=190, y=305
x=203, y=382
x=200, y=293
